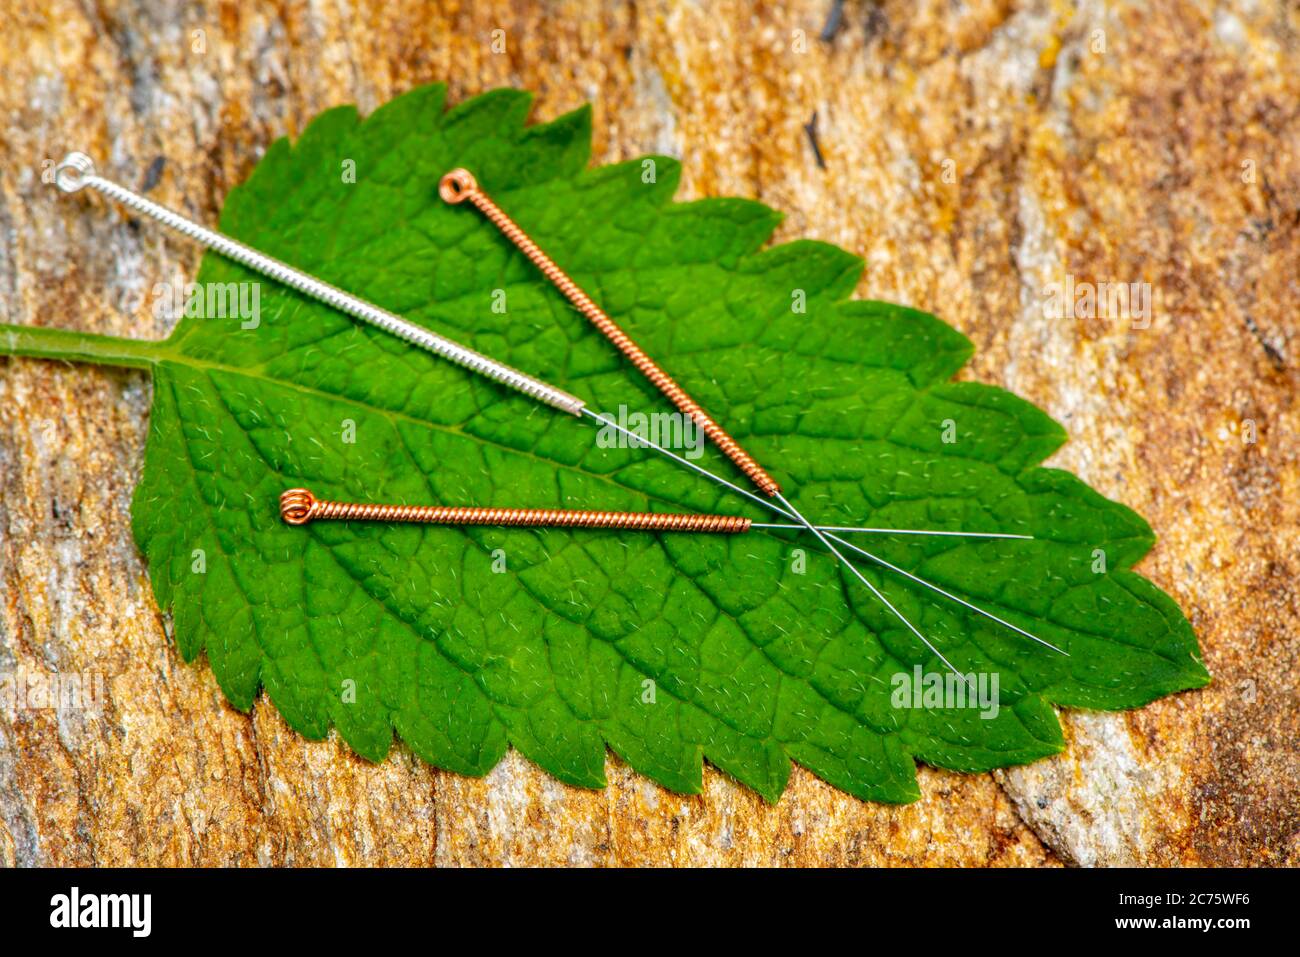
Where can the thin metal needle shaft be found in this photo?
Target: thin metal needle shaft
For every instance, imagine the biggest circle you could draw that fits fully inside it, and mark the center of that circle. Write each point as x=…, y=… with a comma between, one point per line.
x=789, y=512
x=874, y=590
x=947, y=594
x=767, y=504
x=896, y=531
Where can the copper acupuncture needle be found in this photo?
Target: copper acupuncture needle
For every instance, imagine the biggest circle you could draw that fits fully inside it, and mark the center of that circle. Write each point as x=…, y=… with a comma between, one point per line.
x=459, y=185
x=77, y=172
x=298, y=506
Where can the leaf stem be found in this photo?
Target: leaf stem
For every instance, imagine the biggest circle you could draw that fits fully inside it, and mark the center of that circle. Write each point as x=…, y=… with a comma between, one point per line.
x=41, y=342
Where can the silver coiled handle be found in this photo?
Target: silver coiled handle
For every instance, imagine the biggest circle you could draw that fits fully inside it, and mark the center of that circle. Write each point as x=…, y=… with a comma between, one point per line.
x=77, y=171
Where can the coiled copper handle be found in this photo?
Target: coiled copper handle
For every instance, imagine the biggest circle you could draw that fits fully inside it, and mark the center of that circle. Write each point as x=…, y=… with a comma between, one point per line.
x=459, y=185
x=298, y=507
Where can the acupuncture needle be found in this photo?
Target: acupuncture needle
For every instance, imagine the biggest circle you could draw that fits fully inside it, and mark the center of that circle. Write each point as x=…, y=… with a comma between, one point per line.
x=298, y=506
x=77, y=172
x=459, y=186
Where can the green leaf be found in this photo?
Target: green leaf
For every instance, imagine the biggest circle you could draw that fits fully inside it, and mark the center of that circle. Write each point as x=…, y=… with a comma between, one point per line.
x=667, y=649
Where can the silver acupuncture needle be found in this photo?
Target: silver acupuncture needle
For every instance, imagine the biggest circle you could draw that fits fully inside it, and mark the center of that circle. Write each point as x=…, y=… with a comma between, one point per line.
x=77, y=172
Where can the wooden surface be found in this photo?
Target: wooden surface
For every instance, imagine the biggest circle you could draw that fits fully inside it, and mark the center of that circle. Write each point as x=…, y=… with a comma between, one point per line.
x=973, y=154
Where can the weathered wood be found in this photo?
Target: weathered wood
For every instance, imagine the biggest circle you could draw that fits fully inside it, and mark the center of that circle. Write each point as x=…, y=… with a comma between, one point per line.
x=973, y=154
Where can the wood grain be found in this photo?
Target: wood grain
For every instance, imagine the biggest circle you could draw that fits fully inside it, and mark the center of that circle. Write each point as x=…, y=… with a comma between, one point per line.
x=973, y=153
